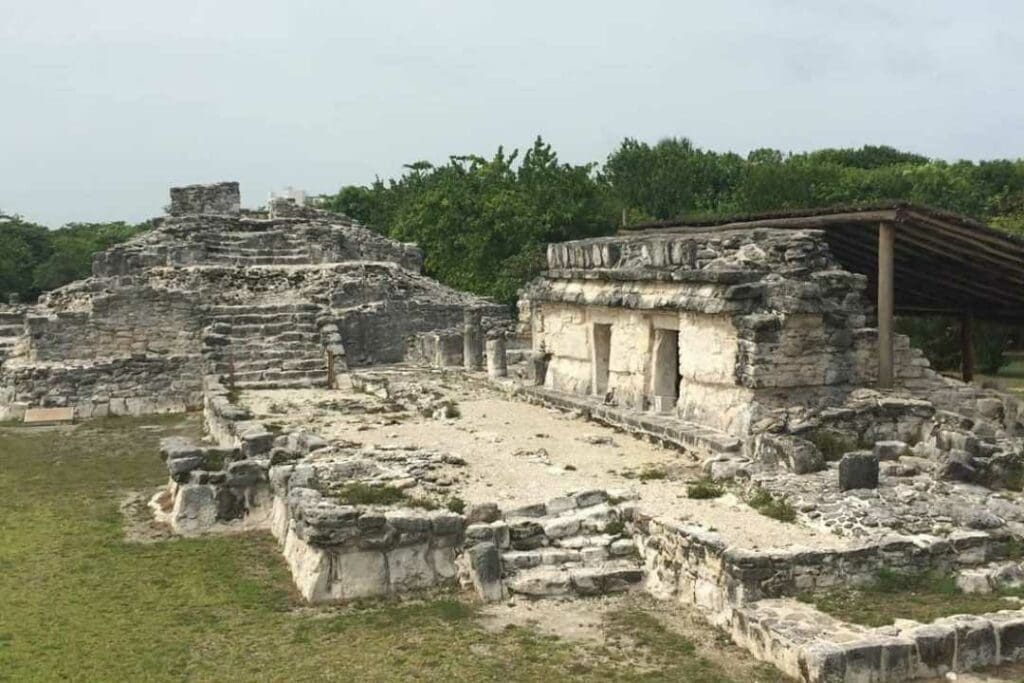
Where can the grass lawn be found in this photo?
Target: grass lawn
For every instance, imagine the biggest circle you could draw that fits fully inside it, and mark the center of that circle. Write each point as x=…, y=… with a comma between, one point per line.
x=921, y=597
x=79, y=602
x=1010, y=377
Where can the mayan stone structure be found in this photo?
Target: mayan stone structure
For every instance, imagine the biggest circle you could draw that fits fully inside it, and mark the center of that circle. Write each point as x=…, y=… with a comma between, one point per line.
x=394, y=435
x=272, y=298
x=752, y=341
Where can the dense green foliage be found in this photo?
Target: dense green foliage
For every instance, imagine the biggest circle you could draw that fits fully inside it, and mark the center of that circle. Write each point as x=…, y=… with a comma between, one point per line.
x=34, y=259
x=483, y=222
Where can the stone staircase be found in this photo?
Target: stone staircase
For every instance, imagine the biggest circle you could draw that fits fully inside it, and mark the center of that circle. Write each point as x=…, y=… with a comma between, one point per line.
x=272, y=346
x=257, y=248
x=578, y=544
x=12, y=327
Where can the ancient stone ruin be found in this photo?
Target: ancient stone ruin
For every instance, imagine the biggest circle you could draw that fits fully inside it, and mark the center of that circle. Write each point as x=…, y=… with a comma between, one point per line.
x=394, y=435
x=290, y=296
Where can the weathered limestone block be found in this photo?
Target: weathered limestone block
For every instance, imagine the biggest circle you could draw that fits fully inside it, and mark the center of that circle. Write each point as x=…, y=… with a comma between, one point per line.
x=858, y=470
x=496, y=359
x=195, y=508
x=472, y=340
x=220, y=198
x=485, y=571
x=799, y=455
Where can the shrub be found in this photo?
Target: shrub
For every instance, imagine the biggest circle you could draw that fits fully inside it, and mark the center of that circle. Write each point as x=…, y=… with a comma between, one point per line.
x=703, y=489
x=770, y=506
x=359, y=493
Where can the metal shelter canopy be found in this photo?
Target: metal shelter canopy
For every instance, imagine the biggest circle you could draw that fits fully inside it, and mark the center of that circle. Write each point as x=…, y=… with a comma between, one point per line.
x=944, y=263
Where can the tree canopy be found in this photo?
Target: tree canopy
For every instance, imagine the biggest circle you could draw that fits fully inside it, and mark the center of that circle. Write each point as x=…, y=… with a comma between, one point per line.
x=483, y=221
x=34, y=259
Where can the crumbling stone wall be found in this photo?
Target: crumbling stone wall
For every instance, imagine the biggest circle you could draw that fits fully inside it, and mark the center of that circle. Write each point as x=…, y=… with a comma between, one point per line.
x=135, y=385
x=255, y=294
x=220, y=198
x=380, y=332
x=124, y=321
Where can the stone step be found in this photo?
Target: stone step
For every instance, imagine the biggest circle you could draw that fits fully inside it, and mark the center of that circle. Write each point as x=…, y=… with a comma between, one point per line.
x=299, y=376
x=11, y=330
x=12, y=318
x=276, y=353
x=261, y=318
x=265, y=340
x=261, y=365
x=269, y=259
x=283, y=384
x=282, y=246
x=237, y=360
x=266, y=329
x=264, y=309
x=616, y=576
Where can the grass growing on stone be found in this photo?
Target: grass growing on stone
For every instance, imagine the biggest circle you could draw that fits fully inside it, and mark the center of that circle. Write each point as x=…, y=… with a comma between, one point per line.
x=703, y=489
x=359, y=493
x=770, y=506
x=894, y=595
x=78, y=601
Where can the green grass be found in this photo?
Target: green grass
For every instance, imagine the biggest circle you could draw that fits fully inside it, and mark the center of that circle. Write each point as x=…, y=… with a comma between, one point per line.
x=770, y=506
x=703, y=489
x=893, y=595
x=78, y=602
x=359, y=493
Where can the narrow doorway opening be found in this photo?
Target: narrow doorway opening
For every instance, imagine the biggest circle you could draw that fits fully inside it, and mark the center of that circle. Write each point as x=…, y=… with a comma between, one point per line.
x=602, y=356
x=666, y=375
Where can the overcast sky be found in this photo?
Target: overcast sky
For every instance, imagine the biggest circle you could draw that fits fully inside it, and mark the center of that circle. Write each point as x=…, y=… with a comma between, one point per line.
x=104, y=104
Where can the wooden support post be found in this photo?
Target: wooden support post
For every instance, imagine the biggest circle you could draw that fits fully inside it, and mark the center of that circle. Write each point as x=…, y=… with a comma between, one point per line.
x=886, y=302
x=967, y=345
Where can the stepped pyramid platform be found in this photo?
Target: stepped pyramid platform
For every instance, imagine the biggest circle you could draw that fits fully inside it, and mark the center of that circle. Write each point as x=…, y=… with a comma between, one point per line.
x=282, y=298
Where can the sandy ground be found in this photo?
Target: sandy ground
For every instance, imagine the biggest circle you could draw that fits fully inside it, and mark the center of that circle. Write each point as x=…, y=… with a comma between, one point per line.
x=517, y=453
x=586, y=621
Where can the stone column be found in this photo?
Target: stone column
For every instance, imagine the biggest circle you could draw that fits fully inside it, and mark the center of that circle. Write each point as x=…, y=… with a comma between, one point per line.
x=472, y=340
x=967, y=346
x=496, y=363
x=886, y=301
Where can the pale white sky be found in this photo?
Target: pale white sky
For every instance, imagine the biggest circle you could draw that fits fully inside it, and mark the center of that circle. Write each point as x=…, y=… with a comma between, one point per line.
x=104, y=104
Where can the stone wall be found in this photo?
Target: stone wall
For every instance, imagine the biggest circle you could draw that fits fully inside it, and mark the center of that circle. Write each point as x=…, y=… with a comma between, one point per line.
x=693, y=565
x=119, y=322
x=381, y=332
x=221, y=198
x=135, y=385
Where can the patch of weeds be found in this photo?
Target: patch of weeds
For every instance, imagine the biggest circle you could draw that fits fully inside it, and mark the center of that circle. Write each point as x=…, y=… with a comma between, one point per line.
x=770, y=506
x=614, y=528
x=703, y=489
x=422, y=503
x=648, y=473
x=456, y=505
x=359, y=493
x=833, y=445
x=1014, y=549
x=921, y=596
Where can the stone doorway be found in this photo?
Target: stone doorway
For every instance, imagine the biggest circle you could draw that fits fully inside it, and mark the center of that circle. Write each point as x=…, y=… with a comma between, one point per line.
x=602, y=349
x=665, y=375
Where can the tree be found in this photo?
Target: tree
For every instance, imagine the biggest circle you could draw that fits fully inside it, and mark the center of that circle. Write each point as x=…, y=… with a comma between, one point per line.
x=484, y=222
